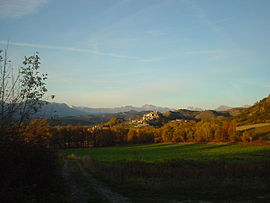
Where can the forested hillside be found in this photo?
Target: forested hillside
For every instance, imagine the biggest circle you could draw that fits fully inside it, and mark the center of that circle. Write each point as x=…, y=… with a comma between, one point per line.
x=258, y=113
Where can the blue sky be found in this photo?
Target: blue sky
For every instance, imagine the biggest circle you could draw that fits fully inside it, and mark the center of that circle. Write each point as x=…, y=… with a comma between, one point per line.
x=174, y=53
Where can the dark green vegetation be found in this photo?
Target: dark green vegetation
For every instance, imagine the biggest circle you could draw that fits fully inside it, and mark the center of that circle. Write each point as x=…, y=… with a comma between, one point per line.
x=170, y=172
x=160, y=152
x=29, y=171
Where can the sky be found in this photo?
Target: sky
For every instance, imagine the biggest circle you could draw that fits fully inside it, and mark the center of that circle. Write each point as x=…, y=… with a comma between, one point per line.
x=173, y=53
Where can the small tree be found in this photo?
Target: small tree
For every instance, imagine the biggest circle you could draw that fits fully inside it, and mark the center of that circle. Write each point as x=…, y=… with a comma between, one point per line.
x=28, y=170
x=21, y=93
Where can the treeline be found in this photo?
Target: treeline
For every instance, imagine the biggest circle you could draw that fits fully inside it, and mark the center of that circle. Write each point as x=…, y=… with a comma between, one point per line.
x=59, y=137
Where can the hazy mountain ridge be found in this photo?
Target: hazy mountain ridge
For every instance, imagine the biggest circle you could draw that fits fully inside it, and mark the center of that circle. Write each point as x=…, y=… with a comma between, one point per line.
x=58, y=110
x=223, y=108
x=94, y=119
x=53, y=109
x=72, y=115
x=146, y=107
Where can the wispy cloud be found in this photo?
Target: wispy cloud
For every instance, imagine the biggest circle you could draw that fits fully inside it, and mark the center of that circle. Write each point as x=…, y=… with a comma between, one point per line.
x=19, y=8
x=103, y=42
x=67, y=48
x=116, y=25
x=202, y=15
x=214, y=52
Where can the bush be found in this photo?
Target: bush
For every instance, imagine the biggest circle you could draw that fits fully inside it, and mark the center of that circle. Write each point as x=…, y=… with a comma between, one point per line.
x=28, y=172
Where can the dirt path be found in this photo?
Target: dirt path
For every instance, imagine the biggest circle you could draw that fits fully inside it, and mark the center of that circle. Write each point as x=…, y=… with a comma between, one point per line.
x=78, y=193
x=102, y=189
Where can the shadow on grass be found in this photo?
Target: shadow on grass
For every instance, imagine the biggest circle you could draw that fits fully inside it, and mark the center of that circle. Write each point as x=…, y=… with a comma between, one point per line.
x=185, y=180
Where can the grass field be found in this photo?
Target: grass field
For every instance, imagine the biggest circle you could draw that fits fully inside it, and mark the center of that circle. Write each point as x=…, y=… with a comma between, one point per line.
x=177, y=172
x=159, y=152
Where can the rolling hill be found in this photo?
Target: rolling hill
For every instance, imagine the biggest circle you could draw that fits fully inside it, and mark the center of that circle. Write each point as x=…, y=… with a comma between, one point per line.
x=258, y=113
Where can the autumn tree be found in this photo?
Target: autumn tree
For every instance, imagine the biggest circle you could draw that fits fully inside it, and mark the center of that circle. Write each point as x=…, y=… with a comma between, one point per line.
x=37, y=131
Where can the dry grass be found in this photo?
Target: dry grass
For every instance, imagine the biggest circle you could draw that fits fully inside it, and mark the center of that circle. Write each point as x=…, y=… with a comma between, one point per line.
x=248, y=127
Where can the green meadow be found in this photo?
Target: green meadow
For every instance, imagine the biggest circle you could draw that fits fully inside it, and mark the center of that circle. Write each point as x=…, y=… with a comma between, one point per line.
x=160, y=152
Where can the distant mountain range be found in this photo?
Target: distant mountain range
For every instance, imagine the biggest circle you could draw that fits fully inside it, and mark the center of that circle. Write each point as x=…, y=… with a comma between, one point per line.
x=58, y=110
x=220, y=108
x=191, y=108
x=63, y=110
x=223, y=108
x=146, y=107
x=63, y=114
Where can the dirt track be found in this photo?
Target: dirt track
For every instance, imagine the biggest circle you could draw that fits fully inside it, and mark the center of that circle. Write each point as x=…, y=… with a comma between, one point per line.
x=78, y=192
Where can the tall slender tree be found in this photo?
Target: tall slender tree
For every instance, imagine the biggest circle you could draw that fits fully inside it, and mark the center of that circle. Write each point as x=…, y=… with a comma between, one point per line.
x=21, y=91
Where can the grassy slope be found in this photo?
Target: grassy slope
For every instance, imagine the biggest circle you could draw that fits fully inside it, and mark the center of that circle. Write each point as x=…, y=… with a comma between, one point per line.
x=158, y=152
x=251, y=126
